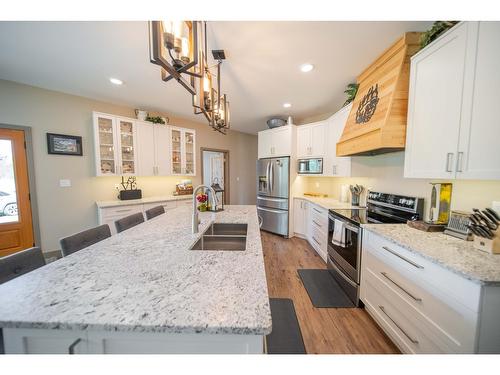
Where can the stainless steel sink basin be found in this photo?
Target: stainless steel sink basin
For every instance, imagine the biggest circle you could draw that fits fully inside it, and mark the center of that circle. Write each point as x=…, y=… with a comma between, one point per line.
x=225, y=243
x=227, y=229
x=222, y=236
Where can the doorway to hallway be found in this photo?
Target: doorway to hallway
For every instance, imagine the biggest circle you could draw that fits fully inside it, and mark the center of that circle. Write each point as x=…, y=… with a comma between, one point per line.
x=215, y=169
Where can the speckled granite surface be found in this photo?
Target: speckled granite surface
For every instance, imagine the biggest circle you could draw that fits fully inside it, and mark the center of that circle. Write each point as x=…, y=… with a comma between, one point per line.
x=162, y=198
x=146, y=280
x=327, y=203
x=452, y=253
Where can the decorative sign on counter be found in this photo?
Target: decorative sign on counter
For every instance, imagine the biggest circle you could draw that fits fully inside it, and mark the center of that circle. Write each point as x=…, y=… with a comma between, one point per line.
x=129, y=189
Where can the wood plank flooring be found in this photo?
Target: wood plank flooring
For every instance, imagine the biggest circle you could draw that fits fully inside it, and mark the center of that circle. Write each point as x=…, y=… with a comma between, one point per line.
x=324, y=330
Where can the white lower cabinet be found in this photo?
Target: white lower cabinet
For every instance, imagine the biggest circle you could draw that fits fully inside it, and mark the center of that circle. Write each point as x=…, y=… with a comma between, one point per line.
x=60, y=341
x=311, y=223
x=423, y=307
x=108, y=215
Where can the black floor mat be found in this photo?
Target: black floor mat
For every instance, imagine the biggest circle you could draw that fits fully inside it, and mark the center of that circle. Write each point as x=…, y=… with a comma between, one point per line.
x=323, y=290
x=286, y=337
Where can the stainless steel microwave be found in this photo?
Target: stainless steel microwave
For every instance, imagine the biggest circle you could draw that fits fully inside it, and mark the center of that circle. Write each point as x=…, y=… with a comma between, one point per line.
x=310, y=166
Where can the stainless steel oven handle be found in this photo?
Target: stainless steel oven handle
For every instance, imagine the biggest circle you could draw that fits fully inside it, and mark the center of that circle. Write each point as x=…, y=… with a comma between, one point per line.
x=382, y=308
x=273, y=211
x=400, y=287
x=402, y=257
x=348, y=226
x=341, y=273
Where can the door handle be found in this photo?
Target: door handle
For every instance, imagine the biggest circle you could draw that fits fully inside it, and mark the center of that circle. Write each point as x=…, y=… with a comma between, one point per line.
x=71, y=348
x=397, y=325
x=400, y=287
x=449, y=161
x=460, y=156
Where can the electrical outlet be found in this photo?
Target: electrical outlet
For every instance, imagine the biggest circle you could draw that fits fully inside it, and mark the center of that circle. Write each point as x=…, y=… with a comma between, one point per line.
x=64, y=183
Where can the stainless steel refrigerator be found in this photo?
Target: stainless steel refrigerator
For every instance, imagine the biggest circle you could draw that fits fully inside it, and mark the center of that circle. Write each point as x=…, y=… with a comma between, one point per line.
x=273, y=186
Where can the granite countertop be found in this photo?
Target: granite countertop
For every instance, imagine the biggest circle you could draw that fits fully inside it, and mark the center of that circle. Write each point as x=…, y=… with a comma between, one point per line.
x=161, y=198
x=452, y=253
x=146, y=280
x=327, y=203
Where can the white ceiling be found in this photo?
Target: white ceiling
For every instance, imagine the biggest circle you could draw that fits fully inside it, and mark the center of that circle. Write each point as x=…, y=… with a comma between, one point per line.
x=260, y=74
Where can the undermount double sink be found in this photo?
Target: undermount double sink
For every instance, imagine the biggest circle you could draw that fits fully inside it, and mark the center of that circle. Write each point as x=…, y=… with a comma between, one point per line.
x=224, y=237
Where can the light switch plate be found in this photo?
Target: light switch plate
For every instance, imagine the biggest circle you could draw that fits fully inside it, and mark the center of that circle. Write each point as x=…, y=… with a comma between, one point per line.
x=64, y=183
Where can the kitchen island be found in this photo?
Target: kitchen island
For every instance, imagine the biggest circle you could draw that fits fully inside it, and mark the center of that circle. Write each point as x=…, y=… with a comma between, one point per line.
x=144, y=291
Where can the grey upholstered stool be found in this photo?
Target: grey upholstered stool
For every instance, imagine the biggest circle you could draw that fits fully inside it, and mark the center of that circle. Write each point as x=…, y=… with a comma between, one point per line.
x=84, y=239
x=154, y=212
x=17, y=264
x=129, y=222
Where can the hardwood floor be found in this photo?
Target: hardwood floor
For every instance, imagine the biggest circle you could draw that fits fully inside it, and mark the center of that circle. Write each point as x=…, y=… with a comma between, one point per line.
x=324, y=330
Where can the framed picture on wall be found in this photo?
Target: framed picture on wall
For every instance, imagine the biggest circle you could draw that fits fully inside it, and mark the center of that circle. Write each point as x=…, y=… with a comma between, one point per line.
x=60, y=144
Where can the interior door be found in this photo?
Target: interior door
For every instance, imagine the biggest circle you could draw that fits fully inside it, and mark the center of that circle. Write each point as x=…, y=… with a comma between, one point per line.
x=16, y=227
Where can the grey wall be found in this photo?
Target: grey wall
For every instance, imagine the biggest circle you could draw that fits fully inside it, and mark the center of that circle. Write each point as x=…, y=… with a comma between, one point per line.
x=63, y=211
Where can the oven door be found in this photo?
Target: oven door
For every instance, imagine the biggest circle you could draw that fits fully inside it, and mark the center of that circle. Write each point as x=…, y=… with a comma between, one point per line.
x=346, y=257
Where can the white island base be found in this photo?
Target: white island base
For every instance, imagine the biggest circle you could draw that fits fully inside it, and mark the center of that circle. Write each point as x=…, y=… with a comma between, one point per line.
x=56, y=341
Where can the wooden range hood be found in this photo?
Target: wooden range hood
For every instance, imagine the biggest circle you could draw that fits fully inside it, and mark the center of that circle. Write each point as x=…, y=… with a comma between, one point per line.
x=377, y=122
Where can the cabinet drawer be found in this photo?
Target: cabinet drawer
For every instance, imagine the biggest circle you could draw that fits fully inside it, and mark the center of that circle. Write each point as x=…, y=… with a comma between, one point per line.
x=318, y=241
x=405, y=330
x=319, y=219
x=120, y=211
x=454, y=323
x=426, y=274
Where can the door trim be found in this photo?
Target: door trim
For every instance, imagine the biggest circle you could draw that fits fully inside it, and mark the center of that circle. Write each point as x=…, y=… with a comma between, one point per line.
x=227, y=182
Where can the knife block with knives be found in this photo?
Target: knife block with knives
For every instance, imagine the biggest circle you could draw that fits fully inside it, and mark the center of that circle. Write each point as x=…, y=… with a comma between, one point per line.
x=484, y=225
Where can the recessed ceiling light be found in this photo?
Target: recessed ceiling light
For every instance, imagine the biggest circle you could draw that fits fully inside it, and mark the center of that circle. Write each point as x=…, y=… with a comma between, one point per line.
x=306, y=67
x=116, y=81
x=287, y=105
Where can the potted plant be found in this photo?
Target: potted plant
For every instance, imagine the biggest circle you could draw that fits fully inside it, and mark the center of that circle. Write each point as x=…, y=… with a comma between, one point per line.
x=203, y=202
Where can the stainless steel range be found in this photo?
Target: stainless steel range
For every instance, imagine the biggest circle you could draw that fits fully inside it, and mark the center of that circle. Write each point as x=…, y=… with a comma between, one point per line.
x=345, y=234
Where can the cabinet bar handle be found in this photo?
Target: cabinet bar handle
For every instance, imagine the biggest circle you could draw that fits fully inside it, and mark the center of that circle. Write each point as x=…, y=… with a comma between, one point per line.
x=318, y=224
x=397, y=325
x=400, y=287
x=125, y=210
x=315, y=240
x=71, y=349
x=402, y=257
x=449, y=161
x=318, y=211
x=459, y=161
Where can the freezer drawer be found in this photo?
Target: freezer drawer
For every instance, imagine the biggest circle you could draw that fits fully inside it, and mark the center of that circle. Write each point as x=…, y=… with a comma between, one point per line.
x=275, y=221
x=267, y=202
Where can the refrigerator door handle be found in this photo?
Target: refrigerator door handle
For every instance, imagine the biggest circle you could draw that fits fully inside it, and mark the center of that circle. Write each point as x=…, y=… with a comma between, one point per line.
x=273, y=211
x=271, y=176
x=267, y=177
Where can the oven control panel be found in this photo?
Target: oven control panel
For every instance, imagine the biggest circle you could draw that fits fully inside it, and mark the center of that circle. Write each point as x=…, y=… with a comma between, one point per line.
x=393, y=200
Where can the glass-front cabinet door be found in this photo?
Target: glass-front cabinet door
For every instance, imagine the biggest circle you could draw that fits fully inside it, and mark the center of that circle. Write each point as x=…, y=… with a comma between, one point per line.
x=189, y=146
x=177, y=159
x=127, y=151
x=183, y=151
x=105, y=148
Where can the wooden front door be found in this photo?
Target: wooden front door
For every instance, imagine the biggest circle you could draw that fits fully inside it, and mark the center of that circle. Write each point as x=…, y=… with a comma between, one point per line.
x=16, y=227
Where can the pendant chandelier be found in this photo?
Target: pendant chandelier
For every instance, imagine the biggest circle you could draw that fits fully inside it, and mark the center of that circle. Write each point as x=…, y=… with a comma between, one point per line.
x=180, y=49
x=176, y=47
x=210, y=102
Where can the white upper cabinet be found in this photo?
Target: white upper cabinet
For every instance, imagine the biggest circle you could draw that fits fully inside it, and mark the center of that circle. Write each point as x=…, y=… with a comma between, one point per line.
x=479, y=147
x=452, y=127
x=311, y=140
x=276, y=142
x=115, y=145
x=337, y=166
x=125, y=146
x=153, y=147
x=183, y=155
